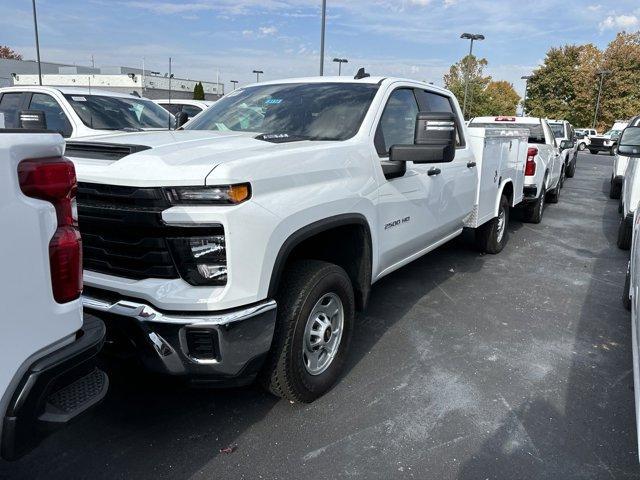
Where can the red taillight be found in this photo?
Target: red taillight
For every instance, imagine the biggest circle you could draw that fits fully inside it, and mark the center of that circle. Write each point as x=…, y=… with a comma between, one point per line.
x=530, y=166
x=54, y=180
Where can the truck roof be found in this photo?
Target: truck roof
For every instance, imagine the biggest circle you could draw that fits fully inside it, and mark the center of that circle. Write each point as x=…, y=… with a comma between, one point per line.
x=66, y=90
x=348, y=79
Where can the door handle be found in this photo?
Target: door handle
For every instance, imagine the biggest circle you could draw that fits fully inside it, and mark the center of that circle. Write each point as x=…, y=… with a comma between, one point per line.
x=433, y=171
x=471, y=164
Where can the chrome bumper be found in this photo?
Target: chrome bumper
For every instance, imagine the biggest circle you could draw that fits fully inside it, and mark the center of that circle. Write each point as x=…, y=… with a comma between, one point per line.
x=241, y=338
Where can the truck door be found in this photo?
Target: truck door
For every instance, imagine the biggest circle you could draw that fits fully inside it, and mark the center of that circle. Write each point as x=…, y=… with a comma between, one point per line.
x=458, y=179
x=555, y=157
x=408, y=207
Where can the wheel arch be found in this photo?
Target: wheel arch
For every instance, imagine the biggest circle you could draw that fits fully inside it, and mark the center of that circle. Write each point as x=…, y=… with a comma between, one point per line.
x=320, y=240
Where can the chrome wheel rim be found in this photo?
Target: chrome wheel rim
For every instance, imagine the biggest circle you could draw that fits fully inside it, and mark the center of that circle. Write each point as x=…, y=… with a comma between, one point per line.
x=322, y=334
x=502, y=217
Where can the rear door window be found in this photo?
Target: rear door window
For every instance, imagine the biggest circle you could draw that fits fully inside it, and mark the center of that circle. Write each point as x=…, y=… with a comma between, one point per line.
x=10, y=106
x=56, y=118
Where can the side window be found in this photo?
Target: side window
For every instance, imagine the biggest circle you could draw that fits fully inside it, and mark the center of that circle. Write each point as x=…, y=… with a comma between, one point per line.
x=191, y=110
x=172, y=107
x=433, y=102
x=56, y=118
x=398, y=123
x=10, y=104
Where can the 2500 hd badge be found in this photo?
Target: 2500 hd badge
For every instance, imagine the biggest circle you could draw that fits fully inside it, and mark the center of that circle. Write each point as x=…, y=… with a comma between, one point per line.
x=395, y=223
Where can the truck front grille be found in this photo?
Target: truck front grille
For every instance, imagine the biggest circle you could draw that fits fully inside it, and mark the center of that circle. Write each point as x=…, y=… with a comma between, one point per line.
x=122, y=231
x=597, y=142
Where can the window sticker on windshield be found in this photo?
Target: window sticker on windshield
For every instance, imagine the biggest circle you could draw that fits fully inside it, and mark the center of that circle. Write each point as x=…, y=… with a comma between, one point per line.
x=78, y=99
x=273, y=101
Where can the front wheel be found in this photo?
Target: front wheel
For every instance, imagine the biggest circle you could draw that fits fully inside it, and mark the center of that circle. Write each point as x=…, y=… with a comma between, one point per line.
x=316, y=311
x=571, y=169
x=615, y=189
x=626, y=297
x=612, y=152
x=593, y=152
x=492, y=236
x=582, y=146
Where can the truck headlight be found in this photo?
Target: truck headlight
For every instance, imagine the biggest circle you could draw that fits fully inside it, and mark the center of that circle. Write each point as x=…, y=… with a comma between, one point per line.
x=216, y=195
x=201, y=260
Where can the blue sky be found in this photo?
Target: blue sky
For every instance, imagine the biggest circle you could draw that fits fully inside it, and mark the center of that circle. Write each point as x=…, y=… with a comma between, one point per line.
x=413, y=38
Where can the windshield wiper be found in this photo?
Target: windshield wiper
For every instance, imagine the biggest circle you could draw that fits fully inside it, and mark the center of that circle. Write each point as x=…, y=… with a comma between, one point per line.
x=287, y=137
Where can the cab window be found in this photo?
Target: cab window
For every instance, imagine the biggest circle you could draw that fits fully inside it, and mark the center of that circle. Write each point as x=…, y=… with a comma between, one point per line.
x=398, y=122
x=56, y=118
x=10, y=104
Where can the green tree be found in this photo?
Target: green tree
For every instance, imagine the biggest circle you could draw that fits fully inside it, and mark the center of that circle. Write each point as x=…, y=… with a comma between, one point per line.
x=9, y=53
x=621, y=88
x=198, y=91
x=499, y=98
x=552, y=90
x=455, y=80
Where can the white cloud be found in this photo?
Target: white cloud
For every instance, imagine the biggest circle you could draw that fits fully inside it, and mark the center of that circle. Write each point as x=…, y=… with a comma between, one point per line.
x=619, y=22
x=169, y=8
x=594, y=8
x=268, y=30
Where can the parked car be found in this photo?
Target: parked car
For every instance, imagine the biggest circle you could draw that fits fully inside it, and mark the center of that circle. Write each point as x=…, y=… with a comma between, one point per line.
x=608, y=141
x=563, y=130
x=630, y=192
x=630, y=147
x=587, y=131
x=620, y=165
x=544, y=171
x=258, y=229
x=47, y=345
x=79, y=112
x=190, y=107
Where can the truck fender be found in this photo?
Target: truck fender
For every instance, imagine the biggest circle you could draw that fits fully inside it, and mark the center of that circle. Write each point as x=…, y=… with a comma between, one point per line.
x=362, y=282
x=503, y=183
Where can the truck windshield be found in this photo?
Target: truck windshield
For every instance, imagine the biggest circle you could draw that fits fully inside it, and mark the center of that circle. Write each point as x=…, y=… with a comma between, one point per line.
x=557, y=129
x=536, y=134
x=102, y=112
x=310, y=111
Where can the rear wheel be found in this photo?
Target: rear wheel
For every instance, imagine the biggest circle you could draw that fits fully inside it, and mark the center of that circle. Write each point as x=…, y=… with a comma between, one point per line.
x=313, y=331
x=582, y=146
x=533, y=213
x=492, y=236
x=624, y=234
x=571, y=168
x=615, y=189
x=554, y=195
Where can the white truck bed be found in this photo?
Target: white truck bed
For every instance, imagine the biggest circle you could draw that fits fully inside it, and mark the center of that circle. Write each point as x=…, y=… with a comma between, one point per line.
x=501, y=155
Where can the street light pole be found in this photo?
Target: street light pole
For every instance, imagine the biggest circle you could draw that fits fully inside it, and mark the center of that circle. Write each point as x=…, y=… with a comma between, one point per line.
x=526, y=90
x=472, y=37
x=340, y=61
x=322, y=28
x=258, y=72
x=601, y=74
x=35, y=25
x=234, y=82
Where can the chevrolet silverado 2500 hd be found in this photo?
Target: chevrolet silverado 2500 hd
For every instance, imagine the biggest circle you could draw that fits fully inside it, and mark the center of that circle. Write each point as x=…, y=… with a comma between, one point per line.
x=242, y=246
x=563, y=132
x=620, y=164
x=47, y=346
x=544, y=171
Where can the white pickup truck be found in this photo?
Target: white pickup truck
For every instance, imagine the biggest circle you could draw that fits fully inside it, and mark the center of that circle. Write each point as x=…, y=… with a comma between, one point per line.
x=620, y=165
x=629, y=192
x=545, y=168
x=243, y=245
x=47, y=346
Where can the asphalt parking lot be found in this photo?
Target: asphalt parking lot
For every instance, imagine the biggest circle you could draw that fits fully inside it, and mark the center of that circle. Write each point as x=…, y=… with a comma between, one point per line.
x=464, y=366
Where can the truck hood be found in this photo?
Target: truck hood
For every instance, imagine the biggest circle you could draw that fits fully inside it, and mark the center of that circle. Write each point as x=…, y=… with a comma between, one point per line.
x=166, y=158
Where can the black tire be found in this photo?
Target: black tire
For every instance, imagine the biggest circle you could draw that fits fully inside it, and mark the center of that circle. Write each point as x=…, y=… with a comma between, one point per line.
x=612, y=152
x=571, y=169
x=626, y=298
x=487, y=234
x=582, y=146
x=554, y=195
x=593, y=152
x=624, y=234
x=533, y=213
x=615, y=189
x=304, y=284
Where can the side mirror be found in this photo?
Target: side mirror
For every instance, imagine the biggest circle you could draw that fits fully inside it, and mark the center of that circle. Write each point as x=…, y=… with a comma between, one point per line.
x=181, y=119
x=434, y=140
x=32, y=120
x=566, y=145
x=629, y=144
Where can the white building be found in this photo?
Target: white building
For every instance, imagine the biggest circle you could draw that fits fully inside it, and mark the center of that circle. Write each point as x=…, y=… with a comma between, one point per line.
x=120, y=79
